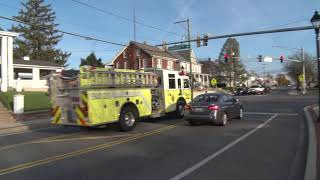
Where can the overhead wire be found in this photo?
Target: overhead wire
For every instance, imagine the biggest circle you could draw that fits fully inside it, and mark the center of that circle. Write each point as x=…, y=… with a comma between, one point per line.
x=123, y=17
x=86, y=37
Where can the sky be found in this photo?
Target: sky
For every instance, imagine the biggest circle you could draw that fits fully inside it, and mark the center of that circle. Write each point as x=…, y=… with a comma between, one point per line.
x=216, y=17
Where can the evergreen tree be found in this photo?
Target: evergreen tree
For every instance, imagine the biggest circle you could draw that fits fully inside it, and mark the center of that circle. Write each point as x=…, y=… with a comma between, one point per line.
x=92, y=60
x=39, y=39
x=234, y=70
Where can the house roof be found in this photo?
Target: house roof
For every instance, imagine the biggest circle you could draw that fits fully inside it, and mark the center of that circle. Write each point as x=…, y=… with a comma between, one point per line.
x=153, y=50
x=36, y=63
x=184, y=53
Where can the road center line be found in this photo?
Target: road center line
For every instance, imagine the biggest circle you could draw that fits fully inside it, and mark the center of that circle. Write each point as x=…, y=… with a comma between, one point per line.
x=82, y=151
x=225, y=148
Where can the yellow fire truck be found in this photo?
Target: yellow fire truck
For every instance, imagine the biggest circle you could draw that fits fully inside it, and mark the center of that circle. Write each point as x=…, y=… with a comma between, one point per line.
x=98, y=96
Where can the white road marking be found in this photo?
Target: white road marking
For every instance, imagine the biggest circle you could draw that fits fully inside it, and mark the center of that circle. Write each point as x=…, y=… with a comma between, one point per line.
x=266, y=113
x=230, y=145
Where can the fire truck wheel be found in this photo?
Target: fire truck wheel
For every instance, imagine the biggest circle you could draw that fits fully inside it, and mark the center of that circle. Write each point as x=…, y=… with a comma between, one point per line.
x=180, y=109
x=128, y=118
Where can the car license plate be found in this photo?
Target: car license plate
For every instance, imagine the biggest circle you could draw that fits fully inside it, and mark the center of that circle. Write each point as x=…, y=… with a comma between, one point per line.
x=198, y=109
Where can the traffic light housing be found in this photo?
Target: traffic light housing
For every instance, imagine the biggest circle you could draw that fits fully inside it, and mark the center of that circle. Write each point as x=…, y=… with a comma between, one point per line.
x=198, y=41
x=281, y=58
x=260, y=58
x=226, y=58
x=205, y=40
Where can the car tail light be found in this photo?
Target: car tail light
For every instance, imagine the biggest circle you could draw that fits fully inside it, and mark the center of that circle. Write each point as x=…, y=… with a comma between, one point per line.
x=213, y=107
x=187, y=107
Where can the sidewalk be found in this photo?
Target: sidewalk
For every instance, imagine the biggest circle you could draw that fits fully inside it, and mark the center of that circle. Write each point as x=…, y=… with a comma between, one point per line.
x=313, y=158
x=11, y=127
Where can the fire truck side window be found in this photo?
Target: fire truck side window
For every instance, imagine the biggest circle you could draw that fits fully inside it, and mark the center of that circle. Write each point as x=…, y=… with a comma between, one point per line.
x=179, y=83
x=172, y=81
x=186, y=83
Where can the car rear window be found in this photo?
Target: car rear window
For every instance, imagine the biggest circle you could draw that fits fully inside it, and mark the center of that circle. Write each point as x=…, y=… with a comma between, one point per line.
x=254, y=86
x=206, y=98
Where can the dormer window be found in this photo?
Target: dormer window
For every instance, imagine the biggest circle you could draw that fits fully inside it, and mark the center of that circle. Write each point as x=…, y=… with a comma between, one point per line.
x=138, y=52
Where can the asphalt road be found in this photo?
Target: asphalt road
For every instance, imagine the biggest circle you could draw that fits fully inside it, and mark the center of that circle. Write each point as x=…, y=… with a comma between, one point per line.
x=268, y=143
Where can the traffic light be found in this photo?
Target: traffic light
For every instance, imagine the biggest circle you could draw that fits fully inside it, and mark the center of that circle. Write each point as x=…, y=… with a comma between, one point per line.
x=205, y=40
x=281, y=58
x=260, y=58
x=226, y=58
x=198, y=41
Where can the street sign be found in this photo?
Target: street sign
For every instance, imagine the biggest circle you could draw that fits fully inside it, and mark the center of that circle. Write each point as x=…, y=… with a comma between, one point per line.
x=301, y=77
x=179, y=47
x=213, y=82
x=267, y=59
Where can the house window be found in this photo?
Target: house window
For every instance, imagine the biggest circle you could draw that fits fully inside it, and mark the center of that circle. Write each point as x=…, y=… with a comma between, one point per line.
x=138, y=52
x=186, y=83
x=172, y=81
x=159, y=63
x=117, y=65
x=124, y=54
x=170, y=65
x=145, y=63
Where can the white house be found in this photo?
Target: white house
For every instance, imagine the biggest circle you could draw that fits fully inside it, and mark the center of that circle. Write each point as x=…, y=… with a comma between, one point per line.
x=31, y=72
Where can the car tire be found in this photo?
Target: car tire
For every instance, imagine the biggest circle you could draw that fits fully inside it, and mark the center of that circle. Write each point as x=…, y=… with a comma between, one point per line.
x=128, y=118
x=180, y=109
x=240, y=113
x=192, y=123
x=222, y=119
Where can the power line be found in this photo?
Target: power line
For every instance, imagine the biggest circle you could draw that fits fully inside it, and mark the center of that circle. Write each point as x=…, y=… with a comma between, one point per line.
x=291, y=22
x=65, y=32
x=124, y=18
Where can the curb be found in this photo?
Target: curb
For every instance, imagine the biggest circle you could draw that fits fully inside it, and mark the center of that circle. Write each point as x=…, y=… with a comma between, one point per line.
x=311, y=161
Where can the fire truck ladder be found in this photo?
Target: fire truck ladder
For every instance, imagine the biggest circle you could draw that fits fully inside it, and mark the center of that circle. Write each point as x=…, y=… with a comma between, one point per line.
x=111, y=78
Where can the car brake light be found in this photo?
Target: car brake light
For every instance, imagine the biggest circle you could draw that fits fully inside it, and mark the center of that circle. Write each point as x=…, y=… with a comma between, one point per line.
x=187, y=107
x=213, y=107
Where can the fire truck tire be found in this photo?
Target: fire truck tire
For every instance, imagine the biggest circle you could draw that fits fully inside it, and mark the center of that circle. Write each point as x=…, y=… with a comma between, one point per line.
x=128, y=118
x=180, y=108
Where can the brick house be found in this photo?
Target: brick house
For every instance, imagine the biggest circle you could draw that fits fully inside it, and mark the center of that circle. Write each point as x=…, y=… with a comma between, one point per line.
x=140, y=55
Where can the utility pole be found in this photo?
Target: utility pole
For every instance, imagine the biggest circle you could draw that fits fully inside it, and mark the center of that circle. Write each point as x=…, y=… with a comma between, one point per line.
x=134, y=24
x=303, y=72
x=190, y=59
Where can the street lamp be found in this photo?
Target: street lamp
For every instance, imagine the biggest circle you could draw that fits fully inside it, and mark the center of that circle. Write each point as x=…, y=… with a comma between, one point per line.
x=315, y=20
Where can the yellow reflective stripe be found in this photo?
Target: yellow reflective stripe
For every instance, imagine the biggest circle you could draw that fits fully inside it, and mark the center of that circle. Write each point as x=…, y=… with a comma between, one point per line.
x=84, y=98
x=79, y=113
x=57, y=116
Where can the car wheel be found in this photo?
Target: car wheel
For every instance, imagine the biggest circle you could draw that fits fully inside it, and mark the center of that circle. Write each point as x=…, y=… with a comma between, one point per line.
x=180, y=109
x=128, y=118
x=222, y=120
x=192, y=123
x=240, y=113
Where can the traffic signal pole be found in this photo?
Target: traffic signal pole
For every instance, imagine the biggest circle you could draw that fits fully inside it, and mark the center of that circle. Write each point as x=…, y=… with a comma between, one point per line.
x=190, y=58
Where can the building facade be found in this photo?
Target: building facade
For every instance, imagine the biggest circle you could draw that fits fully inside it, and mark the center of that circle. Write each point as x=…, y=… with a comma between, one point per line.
x=31, y=74
x=141, y=55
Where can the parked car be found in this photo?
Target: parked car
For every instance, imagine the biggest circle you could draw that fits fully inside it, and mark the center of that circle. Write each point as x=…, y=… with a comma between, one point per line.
x=256, y=89
x=216, y=108
x=241, y=91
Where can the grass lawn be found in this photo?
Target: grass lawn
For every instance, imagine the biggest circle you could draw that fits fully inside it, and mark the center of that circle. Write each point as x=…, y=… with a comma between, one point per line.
x=33, y=101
